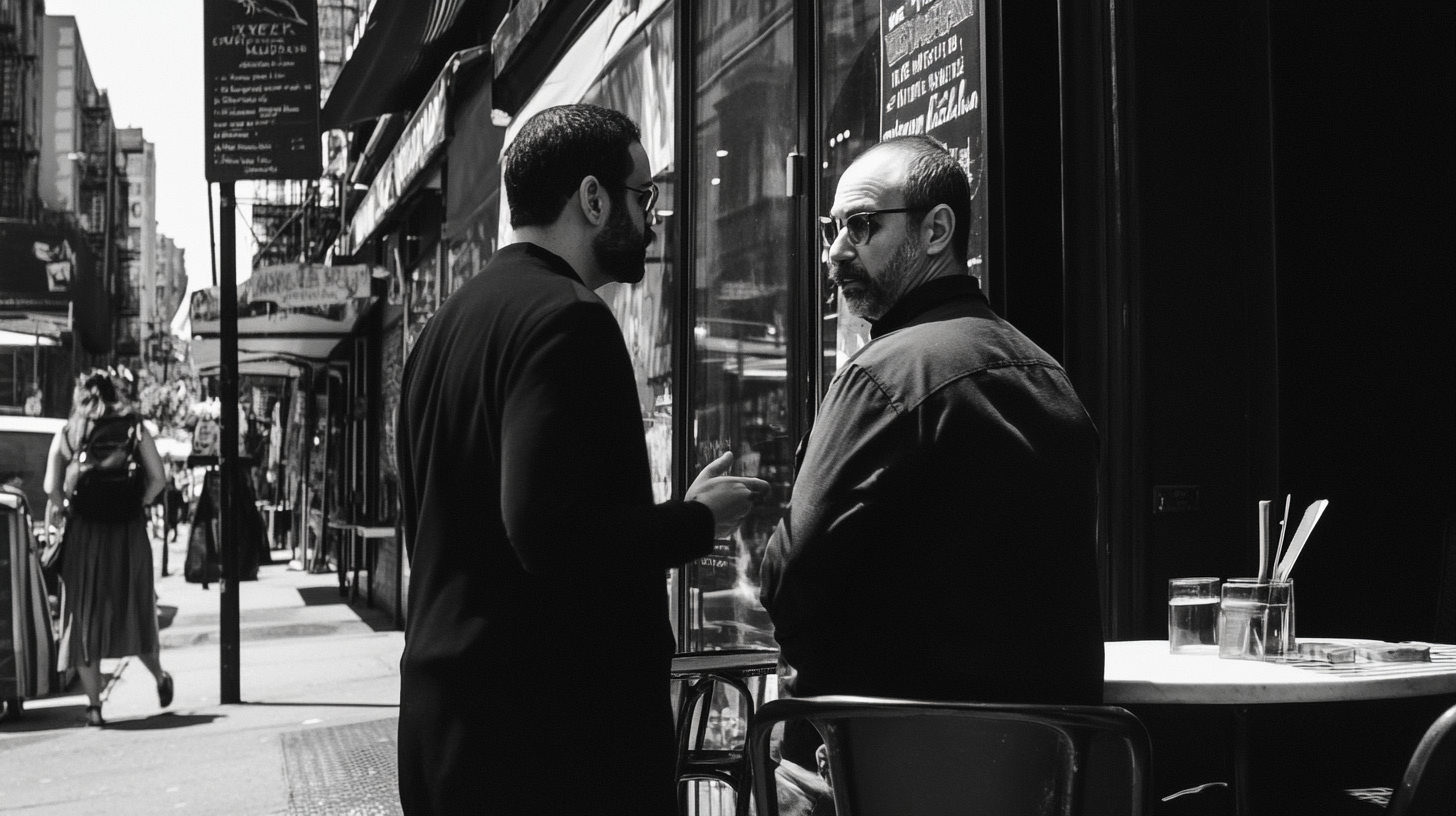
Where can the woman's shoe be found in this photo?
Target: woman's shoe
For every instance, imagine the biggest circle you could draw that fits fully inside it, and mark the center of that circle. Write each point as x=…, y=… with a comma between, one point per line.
x=164, y=690
x=93, y=717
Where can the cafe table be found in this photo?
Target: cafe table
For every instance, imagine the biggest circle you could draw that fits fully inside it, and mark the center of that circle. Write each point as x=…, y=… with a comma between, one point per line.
x=698, y=675
x=1143, y=672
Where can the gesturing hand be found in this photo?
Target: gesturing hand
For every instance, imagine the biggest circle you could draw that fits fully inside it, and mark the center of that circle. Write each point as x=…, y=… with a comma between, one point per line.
x=729, y=497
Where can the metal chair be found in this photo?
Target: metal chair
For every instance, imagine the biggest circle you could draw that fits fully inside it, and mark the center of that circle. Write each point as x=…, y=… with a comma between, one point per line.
x=701, y=674
x=928, y=758
x=1429, y=783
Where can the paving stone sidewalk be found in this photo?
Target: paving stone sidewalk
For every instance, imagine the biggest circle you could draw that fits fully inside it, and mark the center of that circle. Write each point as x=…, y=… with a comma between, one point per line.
x=314, y=734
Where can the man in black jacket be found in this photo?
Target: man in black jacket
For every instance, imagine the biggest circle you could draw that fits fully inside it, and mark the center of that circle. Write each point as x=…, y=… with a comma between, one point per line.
x=941, y=541
x=537, y=599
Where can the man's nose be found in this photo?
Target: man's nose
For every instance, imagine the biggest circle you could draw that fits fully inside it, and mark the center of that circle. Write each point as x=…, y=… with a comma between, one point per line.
x=840, y=249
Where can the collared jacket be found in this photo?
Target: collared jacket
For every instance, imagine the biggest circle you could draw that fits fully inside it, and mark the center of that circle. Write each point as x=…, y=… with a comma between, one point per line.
x=941, y=539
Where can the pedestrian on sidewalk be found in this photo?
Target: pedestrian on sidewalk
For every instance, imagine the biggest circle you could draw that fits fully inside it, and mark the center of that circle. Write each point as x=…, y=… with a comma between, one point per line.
x=103, y=470
x=537, y=554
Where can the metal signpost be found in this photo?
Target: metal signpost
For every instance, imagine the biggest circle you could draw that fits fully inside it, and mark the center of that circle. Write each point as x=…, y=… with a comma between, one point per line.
x=261, y=66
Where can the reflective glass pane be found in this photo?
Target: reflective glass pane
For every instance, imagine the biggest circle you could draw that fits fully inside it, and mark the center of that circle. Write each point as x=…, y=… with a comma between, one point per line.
x=639, y=83
x=888, y=70
x=744, y=128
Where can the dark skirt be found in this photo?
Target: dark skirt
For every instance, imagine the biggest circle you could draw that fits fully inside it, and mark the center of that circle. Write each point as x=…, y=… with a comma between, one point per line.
x=108, y=601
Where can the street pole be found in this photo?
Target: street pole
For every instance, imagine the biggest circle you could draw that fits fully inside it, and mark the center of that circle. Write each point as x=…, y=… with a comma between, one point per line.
x=227, y=452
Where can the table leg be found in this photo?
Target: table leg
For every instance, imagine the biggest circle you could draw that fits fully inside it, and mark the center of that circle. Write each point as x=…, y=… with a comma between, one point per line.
x=354, y=558
x=371, y=551
x=1241, y=761
x=341, y=554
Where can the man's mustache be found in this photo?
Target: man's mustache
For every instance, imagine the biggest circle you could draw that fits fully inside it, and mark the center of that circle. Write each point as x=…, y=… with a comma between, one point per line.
x=844, y=273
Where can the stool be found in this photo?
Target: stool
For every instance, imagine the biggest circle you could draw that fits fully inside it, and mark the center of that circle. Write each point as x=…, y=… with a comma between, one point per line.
x=701, y=673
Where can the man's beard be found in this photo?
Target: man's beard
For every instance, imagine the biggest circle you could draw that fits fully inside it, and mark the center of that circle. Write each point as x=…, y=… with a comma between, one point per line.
x=876, y=294
x=620, y=248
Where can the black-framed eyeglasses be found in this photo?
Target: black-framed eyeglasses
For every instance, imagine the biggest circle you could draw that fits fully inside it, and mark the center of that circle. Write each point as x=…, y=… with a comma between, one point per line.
x=861, y=225
x=646, y=196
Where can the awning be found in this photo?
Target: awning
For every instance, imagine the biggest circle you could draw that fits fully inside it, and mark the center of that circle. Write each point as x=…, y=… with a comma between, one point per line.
x=295, y=313
x=403, y=46
x=422, y=141
x=531, y=40
x=48, y=327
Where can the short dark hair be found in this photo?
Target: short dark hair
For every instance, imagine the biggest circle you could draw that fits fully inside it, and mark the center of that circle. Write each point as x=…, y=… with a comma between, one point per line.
x=559, y=147
x=934, y=177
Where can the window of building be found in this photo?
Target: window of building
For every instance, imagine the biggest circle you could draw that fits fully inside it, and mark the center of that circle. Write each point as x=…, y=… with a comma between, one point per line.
x=746, y=124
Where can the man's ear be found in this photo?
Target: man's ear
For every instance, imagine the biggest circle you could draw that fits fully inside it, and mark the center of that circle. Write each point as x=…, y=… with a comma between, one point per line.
x=938, y=229
x=592, y=197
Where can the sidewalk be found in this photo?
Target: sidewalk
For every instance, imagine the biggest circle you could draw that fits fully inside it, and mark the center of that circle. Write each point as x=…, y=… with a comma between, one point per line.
x=314, y=735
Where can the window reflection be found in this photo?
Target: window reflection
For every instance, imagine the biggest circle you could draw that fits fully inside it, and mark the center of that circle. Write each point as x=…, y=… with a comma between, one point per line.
x=850, y=49
x=744, y=128
x=639, y=83
x=851, y=69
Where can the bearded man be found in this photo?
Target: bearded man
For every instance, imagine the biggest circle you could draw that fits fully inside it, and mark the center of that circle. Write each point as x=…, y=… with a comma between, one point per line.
x=941, y=540
x=537, y=591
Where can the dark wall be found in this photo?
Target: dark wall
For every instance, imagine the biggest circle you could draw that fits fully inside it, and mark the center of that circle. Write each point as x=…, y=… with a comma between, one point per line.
x=1363, y=125
x=1202, y=314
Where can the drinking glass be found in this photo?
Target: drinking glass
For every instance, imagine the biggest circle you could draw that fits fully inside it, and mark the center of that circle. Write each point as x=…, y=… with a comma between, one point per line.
x=1256, y=620
x=1193, y=615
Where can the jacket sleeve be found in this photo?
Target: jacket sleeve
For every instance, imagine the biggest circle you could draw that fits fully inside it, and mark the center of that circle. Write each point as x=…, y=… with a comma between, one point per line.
x=575, y=483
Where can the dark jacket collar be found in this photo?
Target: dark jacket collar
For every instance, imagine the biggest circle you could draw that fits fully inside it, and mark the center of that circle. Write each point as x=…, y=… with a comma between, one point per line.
x=539, y=254
x=922, y=299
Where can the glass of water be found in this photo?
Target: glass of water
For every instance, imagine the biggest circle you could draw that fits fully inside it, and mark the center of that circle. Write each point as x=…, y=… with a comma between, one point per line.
x=1193, y=615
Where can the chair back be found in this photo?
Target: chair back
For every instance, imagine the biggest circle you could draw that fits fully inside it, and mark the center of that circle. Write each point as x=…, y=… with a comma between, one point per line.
x=930, y=758
x=1429, y=784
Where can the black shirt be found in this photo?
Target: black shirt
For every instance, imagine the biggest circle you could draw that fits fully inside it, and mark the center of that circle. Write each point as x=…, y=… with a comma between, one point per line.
x=537, y=554
x=941, y=540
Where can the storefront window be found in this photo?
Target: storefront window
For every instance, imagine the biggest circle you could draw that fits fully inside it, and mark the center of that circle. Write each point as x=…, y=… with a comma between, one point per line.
x=424, y=294
x=639, y=83
x=885, y=72
x=745, y=127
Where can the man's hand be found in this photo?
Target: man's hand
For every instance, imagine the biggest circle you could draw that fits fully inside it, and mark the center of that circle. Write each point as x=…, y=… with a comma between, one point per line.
x=729, y=497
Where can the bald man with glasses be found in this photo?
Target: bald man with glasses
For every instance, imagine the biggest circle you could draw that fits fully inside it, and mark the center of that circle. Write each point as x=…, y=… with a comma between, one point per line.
x=941, y=541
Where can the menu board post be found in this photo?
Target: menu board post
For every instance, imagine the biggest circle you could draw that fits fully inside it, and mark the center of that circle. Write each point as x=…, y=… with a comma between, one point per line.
x=261, y=65
x=260, y=61
x=931, y=85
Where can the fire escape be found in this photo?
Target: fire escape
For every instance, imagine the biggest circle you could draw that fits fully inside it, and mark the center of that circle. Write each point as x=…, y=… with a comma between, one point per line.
x=19, y=152
x=294, y=222
x=104, y=218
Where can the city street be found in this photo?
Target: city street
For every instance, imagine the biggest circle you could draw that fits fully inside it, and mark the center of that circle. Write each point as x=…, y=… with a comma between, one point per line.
x=314, y=735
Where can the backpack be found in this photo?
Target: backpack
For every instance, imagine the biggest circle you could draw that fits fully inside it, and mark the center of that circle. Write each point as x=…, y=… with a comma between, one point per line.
x=105, y=480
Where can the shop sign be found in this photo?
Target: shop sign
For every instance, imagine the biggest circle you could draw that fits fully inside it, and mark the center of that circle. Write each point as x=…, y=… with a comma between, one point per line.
x=930, y=84
x=420, y=143
x=37, y=268
x=260, y=61
x=285, y=289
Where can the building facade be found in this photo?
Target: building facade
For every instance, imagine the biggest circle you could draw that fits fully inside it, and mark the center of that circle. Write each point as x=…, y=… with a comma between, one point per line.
x=20, y=117
x=137, y=315
x=57, y=243
x=83, y=179
x=1148, y=181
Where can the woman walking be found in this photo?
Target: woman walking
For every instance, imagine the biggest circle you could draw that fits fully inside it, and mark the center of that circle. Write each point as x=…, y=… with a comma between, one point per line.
x=108, y=603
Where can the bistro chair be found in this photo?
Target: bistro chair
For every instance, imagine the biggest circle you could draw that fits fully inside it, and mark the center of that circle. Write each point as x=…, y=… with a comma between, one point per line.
x=701, y=674
x=1429, y=783
x=895, y=757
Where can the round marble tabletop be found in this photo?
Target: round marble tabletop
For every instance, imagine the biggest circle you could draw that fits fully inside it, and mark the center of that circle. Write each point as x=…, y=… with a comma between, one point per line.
x=1143, y=672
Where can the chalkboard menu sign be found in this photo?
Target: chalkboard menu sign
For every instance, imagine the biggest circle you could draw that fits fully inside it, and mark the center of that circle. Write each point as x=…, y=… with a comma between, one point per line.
x=261, y=62
x=930, y=84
